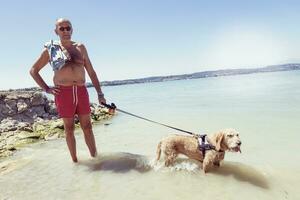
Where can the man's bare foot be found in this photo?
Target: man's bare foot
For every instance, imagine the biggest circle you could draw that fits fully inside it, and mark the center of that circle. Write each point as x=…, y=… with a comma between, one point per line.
x=75, y=160
x=95, y=154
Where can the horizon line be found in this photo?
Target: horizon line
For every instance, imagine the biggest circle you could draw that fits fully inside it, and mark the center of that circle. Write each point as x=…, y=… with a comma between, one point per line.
x=110, y=83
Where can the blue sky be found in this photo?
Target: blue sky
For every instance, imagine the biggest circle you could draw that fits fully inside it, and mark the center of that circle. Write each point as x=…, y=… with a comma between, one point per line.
x=140, y=38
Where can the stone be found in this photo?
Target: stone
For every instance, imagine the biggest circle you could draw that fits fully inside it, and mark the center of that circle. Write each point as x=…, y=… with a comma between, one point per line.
x=4, y=109
x=8, y=125
x=51, y=108
x=54, y=134
x=57, y=124
x=25, y=134
x=37, y=99
x=10, y=108
x=38, y=127
x=28, y=116
x=21, y=106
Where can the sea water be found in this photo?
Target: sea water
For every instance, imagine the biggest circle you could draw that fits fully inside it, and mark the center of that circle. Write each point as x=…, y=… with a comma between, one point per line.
x=263, y=107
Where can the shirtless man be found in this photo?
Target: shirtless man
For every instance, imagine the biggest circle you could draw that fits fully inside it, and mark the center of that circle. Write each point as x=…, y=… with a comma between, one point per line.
x=69, y=89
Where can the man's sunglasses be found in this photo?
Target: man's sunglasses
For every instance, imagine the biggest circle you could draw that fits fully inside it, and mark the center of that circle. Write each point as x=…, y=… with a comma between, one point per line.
x=67, y=28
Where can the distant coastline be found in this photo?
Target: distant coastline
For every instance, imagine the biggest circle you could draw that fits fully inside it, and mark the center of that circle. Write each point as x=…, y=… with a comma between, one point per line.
x=196, y=75
x=204, y=74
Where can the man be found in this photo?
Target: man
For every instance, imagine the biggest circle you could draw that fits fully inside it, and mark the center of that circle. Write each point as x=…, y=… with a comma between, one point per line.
x=69, y=89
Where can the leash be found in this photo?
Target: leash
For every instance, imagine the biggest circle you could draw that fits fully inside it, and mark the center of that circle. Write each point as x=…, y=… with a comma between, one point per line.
x=114, y=107
x=203, y=147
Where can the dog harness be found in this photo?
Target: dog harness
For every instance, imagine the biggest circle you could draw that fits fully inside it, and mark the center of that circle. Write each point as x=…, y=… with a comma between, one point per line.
x=205, y=146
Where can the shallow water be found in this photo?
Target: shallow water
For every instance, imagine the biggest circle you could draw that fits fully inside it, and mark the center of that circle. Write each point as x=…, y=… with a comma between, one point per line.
x=264, y=108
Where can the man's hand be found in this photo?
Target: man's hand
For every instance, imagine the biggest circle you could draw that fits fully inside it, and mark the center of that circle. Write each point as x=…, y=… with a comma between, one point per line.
x=101, y=100
x=53, y=90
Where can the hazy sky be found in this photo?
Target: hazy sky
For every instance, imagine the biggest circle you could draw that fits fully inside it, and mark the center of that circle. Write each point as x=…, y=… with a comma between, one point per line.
x=140, y=38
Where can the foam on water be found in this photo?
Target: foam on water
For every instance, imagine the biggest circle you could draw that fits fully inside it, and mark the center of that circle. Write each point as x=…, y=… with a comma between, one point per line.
x=123, y=162
x=179, y=164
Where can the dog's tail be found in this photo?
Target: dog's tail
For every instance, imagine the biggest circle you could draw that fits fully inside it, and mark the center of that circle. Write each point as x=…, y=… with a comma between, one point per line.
x=158, y=151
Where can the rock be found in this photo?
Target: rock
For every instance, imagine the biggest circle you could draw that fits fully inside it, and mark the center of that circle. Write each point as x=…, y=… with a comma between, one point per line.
x=54, y=118
x=10, y=107
x=45, y=116
x=39, y=120
x=38, y=127
x=56, y=133
x=24, y=142
x=8, y=124
x=25, y=134
x=57, y=124
x=21, y=106
x=51, y=108
x=4, y=109
x=37, y=99
x=35, y=111
x=28, y=116
x=23, y=125
x=5, y=153
x=28, y=129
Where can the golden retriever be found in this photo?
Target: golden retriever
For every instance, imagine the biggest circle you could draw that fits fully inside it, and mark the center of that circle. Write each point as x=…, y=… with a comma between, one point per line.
x=224, y=140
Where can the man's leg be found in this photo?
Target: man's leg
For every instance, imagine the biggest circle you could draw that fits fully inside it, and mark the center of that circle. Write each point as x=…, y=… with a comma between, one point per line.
x=86, y=126
x=71, y=142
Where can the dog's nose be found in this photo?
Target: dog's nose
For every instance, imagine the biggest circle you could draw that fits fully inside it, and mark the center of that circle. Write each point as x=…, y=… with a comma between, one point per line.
x=239, y=143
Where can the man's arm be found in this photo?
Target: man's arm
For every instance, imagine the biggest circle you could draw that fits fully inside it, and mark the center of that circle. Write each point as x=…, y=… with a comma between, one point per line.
x=92, y=74
x=34, y=72
x=38, y=65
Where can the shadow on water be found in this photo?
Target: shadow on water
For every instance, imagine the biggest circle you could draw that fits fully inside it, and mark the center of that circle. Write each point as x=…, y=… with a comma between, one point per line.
x=119, y=162
x=244, y=173
x=122, y=162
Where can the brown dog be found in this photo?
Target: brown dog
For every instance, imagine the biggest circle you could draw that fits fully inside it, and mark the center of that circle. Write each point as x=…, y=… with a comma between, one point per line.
x=224, y=140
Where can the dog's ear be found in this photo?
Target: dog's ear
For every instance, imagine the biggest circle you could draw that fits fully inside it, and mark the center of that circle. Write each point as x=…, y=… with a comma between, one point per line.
x=217, y=140
x=220, y=137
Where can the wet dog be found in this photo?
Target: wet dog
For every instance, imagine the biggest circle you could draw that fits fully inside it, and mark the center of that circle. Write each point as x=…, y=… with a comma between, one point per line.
x=222, y=141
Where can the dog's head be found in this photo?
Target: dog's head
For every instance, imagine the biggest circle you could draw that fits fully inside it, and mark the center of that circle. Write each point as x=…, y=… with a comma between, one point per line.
x=227, y=139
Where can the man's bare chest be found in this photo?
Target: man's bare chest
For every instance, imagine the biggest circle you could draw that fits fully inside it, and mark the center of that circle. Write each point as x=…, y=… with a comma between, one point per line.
x=74, y=54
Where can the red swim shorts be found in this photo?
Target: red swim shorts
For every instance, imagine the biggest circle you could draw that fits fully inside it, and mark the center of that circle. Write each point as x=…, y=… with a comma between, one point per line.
x=72, y=100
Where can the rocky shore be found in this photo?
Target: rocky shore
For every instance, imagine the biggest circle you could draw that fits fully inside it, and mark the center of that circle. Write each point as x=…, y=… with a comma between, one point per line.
x=28, y=116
